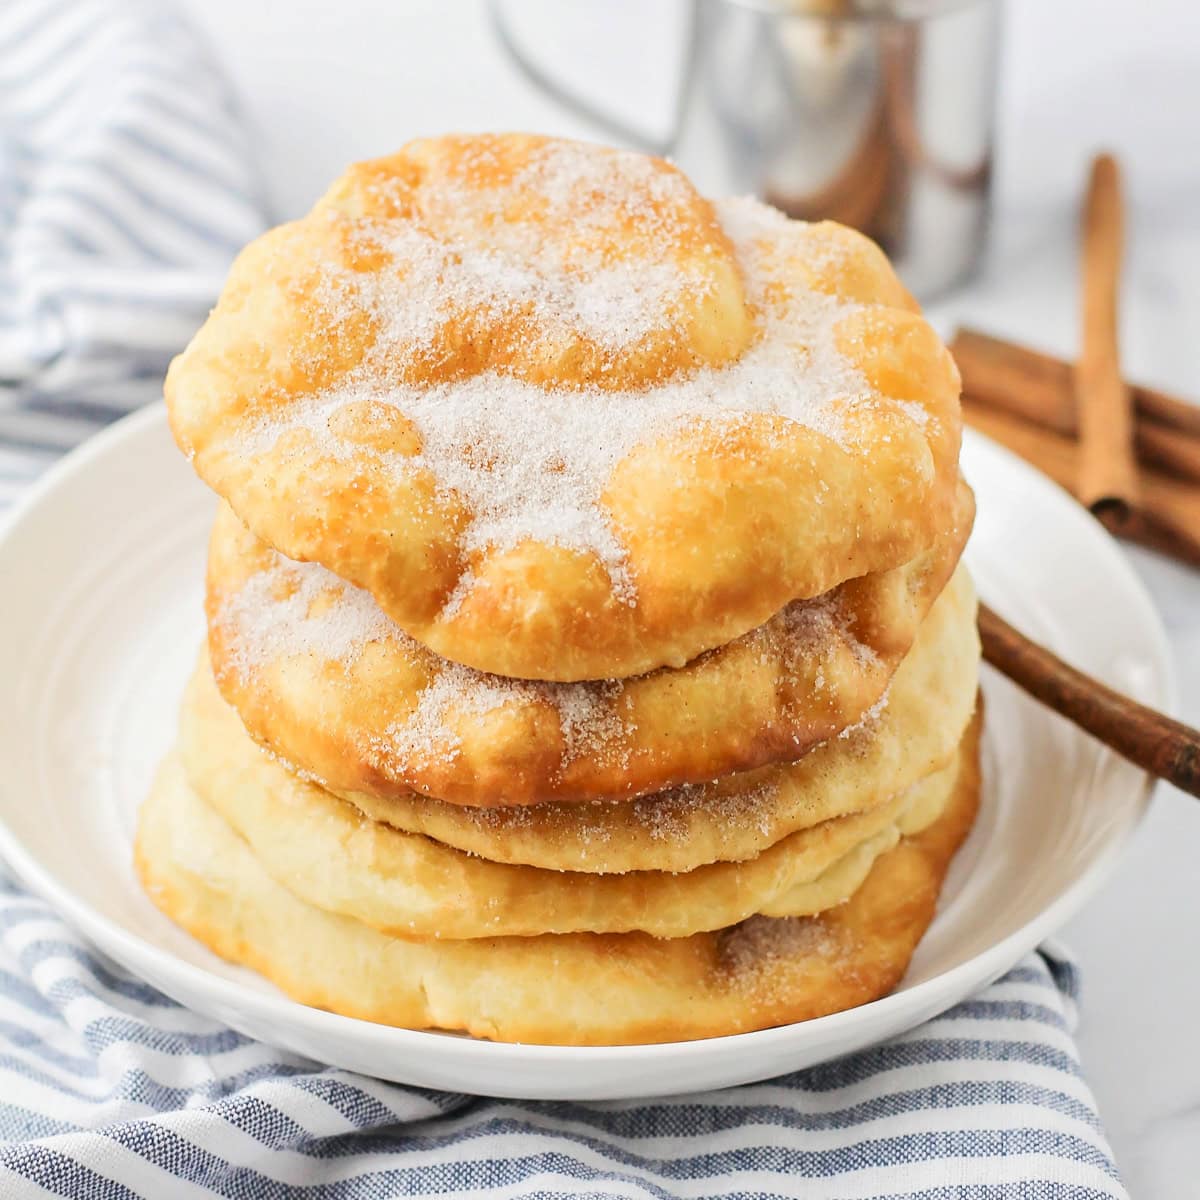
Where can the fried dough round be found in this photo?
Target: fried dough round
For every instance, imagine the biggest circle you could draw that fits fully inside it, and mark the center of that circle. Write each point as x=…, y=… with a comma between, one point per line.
x=407, y=885
x=928, y=705
x=319, y=675
x=561, y=416
x=561, y=989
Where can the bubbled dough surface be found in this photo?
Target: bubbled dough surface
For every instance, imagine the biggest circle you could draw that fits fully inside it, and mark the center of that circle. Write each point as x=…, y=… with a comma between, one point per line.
x=738, y=816
x=320, y=848
x=322, y=677
x=562, y=417
x=564, y=989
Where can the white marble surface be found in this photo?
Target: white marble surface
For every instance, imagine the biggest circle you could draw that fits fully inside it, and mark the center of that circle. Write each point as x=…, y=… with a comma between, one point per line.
x=326, y=82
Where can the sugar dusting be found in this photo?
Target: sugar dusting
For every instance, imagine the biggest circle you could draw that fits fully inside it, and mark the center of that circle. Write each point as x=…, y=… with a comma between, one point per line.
x=669, y=816
x=500, y=287
x=532, y=462
x=588, y=717
x=299, y=609
x=292, y=608
x=869, y=719
x=823, y=620
x=763, y=952
x=516, y=266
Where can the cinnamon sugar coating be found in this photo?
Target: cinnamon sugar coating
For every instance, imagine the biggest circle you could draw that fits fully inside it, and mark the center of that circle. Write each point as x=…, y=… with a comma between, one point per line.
x=408, y=885
x=323, y=678
x=562, y=989
x=562, y=417
x=910, y=732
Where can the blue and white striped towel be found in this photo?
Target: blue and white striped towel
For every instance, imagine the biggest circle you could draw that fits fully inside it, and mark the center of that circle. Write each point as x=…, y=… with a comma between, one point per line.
x=108, y=1089
x=124, y=190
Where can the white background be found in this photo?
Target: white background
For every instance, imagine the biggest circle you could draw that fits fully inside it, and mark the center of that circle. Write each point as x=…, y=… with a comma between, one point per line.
x=327, y=81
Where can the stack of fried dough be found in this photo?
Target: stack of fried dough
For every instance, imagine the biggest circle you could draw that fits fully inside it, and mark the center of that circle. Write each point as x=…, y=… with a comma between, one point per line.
x=589, y=660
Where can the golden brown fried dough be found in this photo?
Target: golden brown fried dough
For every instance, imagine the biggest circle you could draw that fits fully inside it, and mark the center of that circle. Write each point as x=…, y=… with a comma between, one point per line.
x=564, y=989
x=928, y=705
x=321, y=849
x=561, y=416
x=319, y=675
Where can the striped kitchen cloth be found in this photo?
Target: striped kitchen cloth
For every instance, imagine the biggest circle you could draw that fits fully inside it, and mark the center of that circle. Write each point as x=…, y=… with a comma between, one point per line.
x=108, y=1089
x=125, y=189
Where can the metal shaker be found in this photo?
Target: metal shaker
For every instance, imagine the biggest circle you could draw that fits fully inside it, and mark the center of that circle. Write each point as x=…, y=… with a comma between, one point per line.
x=876, y=113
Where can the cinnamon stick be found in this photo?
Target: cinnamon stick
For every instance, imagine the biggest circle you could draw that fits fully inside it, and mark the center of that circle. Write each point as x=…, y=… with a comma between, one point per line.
x=1166, y=748
x=1108, y=480
x=1039, y=388
x=1040, y=385
x=994, y=367
x=1167, y=518
x=1176, y=453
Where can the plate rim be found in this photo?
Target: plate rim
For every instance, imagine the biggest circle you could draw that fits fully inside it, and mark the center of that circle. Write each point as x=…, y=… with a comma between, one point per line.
x=134, y=950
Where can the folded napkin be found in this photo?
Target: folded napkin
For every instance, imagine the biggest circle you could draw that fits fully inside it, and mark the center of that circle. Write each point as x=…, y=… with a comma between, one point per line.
x=109, y=1089
x=125, y=189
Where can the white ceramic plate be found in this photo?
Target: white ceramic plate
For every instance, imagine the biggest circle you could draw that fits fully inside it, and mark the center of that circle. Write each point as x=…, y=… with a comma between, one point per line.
x=100, y=591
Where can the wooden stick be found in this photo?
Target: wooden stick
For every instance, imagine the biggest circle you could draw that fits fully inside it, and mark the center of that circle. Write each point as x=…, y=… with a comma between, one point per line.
x=1166, y=748
x=1168, y=518
x=1108, y=482
x=1169, y=450
x=997, y=370
x=1038, y=388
